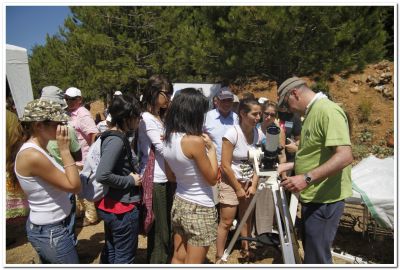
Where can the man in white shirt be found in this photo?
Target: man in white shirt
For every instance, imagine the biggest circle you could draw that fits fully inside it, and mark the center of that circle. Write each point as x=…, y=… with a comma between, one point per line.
x=218, y=121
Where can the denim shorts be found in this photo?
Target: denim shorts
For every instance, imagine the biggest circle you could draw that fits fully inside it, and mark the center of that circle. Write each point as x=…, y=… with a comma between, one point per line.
x=197, y=224
x=53, y=242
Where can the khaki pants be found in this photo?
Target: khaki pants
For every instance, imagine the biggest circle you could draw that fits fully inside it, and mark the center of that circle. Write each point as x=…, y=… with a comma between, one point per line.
x=86, y=209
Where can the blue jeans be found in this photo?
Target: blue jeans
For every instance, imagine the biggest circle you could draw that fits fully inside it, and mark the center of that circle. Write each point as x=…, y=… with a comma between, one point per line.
x=121, y=236
x=53, y=242
x=320, y=223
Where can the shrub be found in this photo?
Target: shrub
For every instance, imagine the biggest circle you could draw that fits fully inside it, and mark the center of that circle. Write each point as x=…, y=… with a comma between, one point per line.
x=360, y=151
x=365, y=136
x=321, y=86
x=364, y=109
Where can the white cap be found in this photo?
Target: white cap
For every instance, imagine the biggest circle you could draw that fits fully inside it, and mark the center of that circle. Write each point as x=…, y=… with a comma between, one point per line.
x=117, y=93
x=261, y=100
x=73, y=92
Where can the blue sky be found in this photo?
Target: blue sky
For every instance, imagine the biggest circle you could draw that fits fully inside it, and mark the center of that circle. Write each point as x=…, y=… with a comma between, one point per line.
x=28, y=25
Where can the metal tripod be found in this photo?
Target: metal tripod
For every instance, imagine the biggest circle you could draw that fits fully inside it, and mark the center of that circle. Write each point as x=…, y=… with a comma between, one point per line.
x=287, y=237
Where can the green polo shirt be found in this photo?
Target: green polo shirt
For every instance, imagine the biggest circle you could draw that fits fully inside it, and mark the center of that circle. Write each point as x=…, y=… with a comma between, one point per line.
x=74, y=146
x=324, y=127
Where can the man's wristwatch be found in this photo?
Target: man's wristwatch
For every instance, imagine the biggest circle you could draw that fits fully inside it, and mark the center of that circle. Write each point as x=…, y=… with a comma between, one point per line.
x=307, y=178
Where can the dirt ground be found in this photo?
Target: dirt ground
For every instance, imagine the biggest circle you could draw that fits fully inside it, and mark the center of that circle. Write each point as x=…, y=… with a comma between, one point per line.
x=373, y=248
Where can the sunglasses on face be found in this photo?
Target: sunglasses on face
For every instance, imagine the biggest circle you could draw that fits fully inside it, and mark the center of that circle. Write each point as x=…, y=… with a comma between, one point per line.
x=266, y=114
x=53, y=123
x=70, y=98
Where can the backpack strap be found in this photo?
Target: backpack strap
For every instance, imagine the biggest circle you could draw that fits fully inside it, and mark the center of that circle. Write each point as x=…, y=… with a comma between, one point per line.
x=122, y=136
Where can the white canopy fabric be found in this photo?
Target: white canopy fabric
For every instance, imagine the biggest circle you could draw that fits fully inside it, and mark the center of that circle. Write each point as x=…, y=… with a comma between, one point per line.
x=373, y=178
x=18, y=76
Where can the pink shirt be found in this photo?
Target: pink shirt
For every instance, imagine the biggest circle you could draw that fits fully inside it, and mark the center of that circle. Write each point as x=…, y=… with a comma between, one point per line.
x=84, y=125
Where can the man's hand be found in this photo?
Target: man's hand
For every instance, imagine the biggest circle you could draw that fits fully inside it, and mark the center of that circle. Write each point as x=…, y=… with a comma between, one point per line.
x=291, y=147
x=294, y=183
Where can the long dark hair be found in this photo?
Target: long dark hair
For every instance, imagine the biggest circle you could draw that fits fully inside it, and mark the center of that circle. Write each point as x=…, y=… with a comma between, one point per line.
x=123, y=108
x=186, y=113
x=154, y=86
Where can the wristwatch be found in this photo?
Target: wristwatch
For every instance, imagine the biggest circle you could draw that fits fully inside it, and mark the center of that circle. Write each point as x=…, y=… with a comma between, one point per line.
x=307, y=178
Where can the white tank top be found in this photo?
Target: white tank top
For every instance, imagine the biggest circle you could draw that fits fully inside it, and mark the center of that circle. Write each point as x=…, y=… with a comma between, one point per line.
x=48, y=204
x=191, y=185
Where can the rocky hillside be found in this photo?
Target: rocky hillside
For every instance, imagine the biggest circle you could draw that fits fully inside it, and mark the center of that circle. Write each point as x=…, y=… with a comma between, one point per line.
x=367, y=97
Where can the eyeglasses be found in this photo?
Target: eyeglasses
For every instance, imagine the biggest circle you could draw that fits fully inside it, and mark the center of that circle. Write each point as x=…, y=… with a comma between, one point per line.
x=266, y=114
x=285, y=104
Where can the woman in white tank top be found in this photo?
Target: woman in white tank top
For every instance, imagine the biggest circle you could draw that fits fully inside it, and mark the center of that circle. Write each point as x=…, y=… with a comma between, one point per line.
x=46, y=183
x=191, y=161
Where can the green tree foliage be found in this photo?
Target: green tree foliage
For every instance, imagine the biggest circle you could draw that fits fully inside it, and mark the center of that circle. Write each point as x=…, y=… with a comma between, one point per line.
x=106, y=48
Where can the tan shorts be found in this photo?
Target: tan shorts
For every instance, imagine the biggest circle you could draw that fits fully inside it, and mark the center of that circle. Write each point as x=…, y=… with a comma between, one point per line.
x=197, y=224
x=227, y=194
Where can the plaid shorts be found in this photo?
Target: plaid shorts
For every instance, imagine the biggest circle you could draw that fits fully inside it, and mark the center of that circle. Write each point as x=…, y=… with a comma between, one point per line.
x=197, y=224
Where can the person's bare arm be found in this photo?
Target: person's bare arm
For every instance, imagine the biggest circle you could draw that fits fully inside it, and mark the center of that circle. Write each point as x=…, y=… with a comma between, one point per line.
x=33, y=163
x=92, y=138
x=340, y=159
x=226, y=162
x=169, y=173
x=202, y=151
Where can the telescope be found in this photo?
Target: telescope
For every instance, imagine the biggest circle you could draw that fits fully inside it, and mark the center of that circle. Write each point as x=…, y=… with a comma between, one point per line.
x=265, y=160
x=267, y=153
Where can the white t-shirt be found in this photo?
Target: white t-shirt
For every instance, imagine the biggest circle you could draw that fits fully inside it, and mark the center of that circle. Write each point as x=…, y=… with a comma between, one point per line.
x=241, y=165
x=150, y=131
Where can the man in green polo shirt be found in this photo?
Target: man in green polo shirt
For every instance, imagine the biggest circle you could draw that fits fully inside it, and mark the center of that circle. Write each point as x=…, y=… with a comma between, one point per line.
x=322, y=166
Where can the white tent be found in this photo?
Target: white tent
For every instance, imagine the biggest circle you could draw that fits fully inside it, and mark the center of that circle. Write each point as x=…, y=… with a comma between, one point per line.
x=208, y=89
x=374, y=179
x=18, y=77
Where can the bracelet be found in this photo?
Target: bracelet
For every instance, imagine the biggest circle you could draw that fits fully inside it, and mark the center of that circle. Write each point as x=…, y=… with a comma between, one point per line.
x=69, y=165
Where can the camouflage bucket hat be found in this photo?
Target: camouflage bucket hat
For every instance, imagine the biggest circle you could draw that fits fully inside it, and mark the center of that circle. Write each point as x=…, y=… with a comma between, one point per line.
x=42, y=110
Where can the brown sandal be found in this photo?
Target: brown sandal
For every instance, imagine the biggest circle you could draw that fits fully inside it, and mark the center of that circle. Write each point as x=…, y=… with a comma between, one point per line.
x=247, y=255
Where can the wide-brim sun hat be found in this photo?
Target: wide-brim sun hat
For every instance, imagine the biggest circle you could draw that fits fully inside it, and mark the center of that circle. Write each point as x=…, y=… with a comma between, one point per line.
x=53, y=93
x=44, y=110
